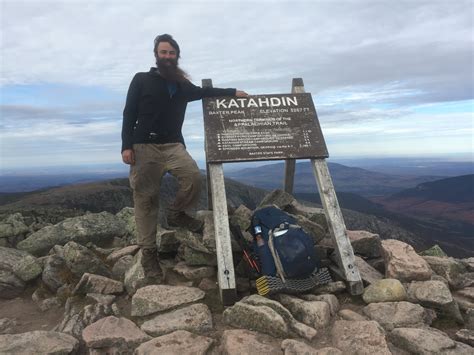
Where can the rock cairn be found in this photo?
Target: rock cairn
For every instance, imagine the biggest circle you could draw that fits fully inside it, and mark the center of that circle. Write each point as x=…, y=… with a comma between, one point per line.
x=89, y=269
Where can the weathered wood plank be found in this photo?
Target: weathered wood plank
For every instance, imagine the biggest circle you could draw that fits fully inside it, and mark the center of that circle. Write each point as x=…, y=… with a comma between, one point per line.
x=337, y=227
x=225, y=262
x=297, y=87
x=207, y=83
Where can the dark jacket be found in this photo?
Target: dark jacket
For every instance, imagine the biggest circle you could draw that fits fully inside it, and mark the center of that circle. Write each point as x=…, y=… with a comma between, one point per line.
x=152, y=115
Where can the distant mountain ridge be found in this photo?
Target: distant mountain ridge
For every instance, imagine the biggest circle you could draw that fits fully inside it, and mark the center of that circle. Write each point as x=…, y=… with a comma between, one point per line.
x=348, y=179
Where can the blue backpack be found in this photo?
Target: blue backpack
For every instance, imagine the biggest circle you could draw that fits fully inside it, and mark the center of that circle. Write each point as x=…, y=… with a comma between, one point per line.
x=284, y=249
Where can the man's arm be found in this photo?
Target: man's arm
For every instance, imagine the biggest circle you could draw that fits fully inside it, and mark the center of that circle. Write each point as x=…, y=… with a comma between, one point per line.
x=129, y=119
x=197, y=93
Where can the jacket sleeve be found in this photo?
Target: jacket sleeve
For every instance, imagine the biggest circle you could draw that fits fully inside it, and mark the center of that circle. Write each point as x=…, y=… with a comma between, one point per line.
x=197, y=93
x=130, y=113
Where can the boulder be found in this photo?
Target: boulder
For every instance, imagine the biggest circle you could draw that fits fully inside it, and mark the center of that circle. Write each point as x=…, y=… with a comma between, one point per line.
x=194, y=272
x=465, y=298
x=331, y=300
x=192, y=240
x=97, y=228
x=114, y=335
x=91, y=283
x=178, y=342
x=359, y=337
x=80, y=260
x=385, y=290
x=113, y=257
x=241, y=217
x=434, y=294
x=365, y=243
x=22, y=264
x=11, y=286
x=295, y=347
x=279, y=198
x=13, y=227
x=403, y=263
x=299, y=328
x=316, y=314
x=127, y=217
x=435, y=250
x=7, y=325
x=347, y=314
x=242, y=341
x=156, y=298
x=368, y=274
x=449, y=268
x=193, y=257
x=468, y=263
x=392, y=315
x=258, y=318
x=194, y=318
x=466, y=336
x=121, y=267
x=166, y=241
x=134, y=277
x=422, y=341
x=56, y=273
x=38, y=342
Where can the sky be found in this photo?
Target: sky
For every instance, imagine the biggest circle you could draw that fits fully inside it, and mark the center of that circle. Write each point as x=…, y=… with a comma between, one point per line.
x=388, y=78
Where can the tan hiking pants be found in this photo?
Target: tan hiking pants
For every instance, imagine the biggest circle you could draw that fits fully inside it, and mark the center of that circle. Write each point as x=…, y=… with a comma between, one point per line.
x=152, y=161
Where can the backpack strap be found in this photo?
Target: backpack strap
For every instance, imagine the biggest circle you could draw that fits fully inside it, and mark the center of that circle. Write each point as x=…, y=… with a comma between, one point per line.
x=276, y=257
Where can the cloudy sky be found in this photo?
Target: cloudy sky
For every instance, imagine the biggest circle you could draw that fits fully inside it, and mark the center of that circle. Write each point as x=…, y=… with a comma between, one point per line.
x=388, y=78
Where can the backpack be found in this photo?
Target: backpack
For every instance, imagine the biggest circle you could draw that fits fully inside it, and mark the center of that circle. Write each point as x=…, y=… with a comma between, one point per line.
x=283, y=248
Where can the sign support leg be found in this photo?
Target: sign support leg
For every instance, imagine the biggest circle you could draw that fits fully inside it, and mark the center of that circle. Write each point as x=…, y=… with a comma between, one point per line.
x=225, y=262
x=337, y=227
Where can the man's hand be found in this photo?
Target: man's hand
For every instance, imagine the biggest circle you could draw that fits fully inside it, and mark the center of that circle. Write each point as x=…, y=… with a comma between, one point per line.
x=240, y=93
x=128, y=156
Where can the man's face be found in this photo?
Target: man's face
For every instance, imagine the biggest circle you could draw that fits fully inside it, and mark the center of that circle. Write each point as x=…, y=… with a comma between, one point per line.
x=166, y=54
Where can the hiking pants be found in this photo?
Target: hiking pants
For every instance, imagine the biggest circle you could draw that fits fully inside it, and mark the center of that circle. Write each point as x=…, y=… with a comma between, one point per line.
x=152, y=161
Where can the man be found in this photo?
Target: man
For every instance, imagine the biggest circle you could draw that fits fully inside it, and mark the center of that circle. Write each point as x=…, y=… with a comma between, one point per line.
x=153, y=144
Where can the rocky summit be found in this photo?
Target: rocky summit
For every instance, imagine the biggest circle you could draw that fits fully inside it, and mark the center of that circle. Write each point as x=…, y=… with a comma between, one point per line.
x=78, y=287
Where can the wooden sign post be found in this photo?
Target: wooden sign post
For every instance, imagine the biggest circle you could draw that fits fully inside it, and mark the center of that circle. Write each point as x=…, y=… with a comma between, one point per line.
x=269, y=127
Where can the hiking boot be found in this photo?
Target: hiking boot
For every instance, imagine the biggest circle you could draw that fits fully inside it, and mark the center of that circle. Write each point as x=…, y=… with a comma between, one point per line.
x=181, y=219
x=150, y=265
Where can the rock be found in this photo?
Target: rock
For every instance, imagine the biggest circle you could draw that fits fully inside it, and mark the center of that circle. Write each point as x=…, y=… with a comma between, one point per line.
x=178, y=342
x=331, y=300
x=434, y=294
x=93, y=227
x=259, y=318
x=156, y=298
x=102, y=299
x=11, y=286
x=242, y=341
x=448, y=268
x=121, y=266
x=134, y=277
x=316, y=314
x=7, y=325
x=113, y=335
x=299, y=328
x=194, y=318
x=465, y=298
x=469, y=318
x=22, y=264
x=13, y=226
x=113, y=257
x=208, y=234
x=316, y=231
x=295, y=347
x=347, y=314
x=91, y=283
x=80, y=260
x=194, y=257
x=127, y=217
x=468, y=263
x=80, y=312
x=166, y=241
x=466, y=336
x=314, y=214
x=421, y=341
x=192, y=240
x=331, y=287
x=367, y=273
x=359, y=337
x=435, y=250
x=208, y=284
x=241, y=217
x=194, y=272
x=392, y=315
x=56, y=272
x=403, y=263
x=38, y=342
x=279, y=198
x=365, y=243
x=385, y=290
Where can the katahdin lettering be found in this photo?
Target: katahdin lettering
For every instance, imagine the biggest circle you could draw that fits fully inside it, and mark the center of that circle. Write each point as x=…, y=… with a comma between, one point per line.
x=258, y=102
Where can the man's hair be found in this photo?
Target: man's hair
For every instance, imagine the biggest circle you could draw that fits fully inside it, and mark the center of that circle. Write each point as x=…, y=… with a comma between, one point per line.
x=166, y=38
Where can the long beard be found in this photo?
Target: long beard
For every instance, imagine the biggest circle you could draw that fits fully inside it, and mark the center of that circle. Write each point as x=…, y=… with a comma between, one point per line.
x=170, y=70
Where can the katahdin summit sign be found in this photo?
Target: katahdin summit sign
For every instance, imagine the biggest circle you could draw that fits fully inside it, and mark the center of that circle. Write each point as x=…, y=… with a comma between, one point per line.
x=263, y=127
